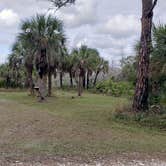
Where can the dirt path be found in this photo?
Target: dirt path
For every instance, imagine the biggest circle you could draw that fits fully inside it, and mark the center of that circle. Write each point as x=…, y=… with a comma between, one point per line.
x=108, y=162
x=134, y=159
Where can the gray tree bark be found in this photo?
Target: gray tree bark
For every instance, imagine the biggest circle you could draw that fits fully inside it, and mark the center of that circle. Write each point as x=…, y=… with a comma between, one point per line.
x=140, y=102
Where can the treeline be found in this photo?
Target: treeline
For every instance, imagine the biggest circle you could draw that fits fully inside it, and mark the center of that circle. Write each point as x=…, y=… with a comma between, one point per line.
x=40, y=52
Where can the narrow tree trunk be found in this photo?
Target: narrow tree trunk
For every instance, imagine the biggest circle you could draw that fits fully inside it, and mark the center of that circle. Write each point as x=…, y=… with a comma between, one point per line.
x=42, y=67
x=95, y=80
x=80, y=74
x=80, y=79
x=42, y=87
x=7, y=81
x=49, y=83
x=87, y=81
x=84, y=81
x=140, y=102
x=30, y=81
x=71, y=79
x=61, y=79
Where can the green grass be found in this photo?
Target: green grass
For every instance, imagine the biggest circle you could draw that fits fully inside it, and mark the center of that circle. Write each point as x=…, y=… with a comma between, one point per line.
x=79, y=126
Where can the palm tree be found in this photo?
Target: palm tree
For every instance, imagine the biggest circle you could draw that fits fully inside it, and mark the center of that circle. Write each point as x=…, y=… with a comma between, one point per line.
x=88, y=57
x=44, y=35
x=16, y=63
x=5, y=74
x=21, y=49
x=69, y=67
x=101, y=66
x=78, y=68
x=86, y=62
x=91, y=63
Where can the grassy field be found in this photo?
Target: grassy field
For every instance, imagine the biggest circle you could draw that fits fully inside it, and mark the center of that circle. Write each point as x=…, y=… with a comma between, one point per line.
x=70, y=126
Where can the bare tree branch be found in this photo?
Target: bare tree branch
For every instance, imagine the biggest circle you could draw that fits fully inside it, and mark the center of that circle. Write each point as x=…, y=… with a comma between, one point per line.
x=150, y=12
x=61, y=3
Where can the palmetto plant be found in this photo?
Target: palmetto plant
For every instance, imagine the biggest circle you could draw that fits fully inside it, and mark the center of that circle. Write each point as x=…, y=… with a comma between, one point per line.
x=44, y=37
x=87, y=61
x=101, y=66
x=16, y=63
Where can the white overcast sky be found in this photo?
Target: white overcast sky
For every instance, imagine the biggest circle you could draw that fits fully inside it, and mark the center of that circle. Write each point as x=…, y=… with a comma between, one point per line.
x=111, y=26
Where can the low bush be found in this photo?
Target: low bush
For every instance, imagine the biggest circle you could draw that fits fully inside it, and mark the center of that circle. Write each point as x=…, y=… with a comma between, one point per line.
x=113, y=88
x=154, y=118
x=11, y=84
x=2, y=83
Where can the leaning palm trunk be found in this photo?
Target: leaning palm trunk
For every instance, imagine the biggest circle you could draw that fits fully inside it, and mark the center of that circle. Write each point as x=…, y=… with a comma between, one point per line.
x=140, y=102
x=96, y=76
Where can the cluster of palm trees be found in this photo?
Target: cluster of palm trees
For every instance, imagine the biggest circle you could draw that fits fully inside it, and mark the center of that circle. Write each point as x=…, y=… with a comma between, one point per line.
x=41, y=49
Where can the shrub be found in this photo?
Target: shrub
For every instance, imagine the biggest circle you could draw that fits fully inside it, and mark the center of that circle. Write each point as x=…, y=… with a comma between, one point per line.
x=2, y=83
x=155, y=117
x=11, y=84
x=116, y=89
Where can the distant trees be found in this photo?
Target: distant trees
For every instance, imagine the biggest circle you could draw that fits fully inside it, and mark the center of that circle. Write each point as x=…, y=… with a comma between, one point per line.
x=40, y=52
x=87, y=62
x=158, y=63
x=128, y=69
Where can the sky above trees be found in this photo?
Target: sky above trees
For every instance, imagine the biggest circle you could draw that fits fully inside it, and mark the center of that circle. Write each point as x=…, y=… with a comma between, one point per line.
x=110, y=26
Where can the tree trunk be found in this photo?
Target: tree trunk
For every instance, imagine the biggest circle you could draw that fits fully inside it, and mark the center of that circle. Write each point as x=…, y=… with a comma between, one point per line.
x=95, y=80
x=84, y=81
x=42, y=88
x=140, y=102
x=71, y=79
x=80, y=73
x=80, y=79
x=42, y=67
x=61, y=79
x=49, y=83
x=7, y=81
x=30, y=81
x=87, y=81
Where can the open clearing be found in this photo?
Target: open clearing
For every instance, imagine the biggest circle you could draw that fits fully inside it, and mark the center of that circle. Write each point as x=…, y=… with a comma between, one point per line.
x=72, y=131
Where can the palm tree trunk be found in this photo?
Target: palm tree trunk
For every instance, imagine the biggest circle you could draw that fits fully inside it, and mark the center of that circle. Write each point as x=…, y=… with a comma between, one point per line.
x=80, y=79
x=49, y=83
x=84, y=81
x=140, y=102
x=7, y=81
x=71, y=79
x=16, y=79
x=87, y=81
x=30, y=81
x=61, y=79
x=95, y=80
x=42, y=87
